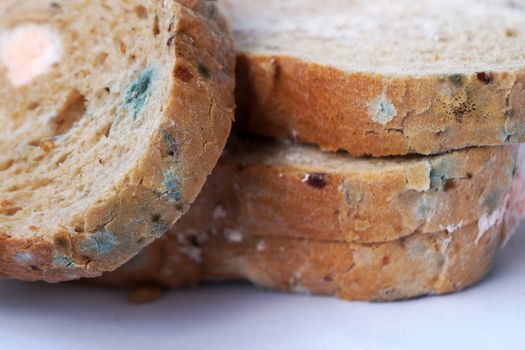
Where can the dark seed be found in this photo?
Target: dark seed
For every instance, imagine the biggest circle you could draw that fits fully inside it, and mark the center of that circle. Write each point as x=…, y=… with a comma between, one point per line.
x=203, y=71
x=183, y=74
x=316, y=180
x=485, y=78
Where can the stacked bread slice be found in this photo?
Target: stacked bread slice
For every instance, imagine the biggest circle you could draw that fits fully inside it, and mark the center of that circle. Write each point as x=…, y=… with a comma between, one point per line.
x=434, y=90
x=112, y=115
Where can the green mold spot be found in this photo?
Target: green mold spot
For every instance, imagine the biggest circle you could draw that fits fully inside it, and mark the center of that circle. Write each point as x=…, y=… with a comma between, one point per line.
x=171, y=143
x=422, y=209
x=456, y=79
x=139, y=92
x=23, y=258
x=506, y=136
x=63, y=261
x=171, y=186
x=492, y=200
x=101, y=242
x=352, y=196
x=439, y=174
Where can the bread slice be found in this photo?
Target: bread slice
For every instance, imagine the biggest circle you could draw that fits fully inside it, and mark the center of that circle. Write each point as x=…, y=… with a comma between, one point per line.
x=113, y=114
x=271, y=188
x=265, y=216
x=382, y=77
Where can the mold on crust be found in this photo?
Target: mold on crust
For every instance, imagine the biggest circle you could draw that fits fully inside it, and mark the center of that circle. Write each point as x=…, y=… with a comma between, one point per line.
x=305, y=258
x=422, y=263
x=103, y=147
x=381, y=110
x=381, y=78
x=349, y=196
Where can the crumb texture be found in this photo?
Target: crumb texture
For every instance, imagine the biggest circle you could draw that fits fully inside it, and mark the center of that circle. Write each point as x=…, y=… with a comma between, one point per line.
x=402, y=36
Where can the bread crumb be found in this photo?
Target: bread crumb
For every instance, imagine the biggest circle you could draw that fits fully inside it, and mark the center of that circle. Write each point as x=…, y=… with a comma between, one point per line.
x=144, y=294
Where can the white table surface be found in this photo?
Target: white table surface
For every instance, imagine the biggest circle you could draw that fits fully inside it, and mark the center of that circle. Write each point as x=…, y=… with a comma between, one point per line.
x=490, y=315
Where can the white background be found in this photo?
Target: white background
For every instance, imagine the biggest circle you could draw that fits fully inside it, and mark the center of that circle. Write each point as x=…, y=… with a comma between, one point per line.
x=490, y=315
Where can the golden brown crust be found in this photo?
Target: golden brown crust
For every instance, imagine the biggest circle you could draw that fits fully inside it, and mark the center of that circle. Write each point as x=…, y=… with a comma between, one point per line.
x=188, y=142
x=286, y=97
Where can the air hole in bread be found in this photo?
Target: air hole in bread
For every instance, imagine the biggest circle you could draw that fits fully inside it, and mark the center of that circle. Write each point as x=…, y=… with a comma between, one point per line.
x=6, y=164
x=79, y=227
x=62, y=159
x=511, y=33
x=33, y=105
x=100, y=59
x=107, y=129
x=156, y=28
x=122, y=46
x=73, y=110
x=141, y=11
x=9, y=208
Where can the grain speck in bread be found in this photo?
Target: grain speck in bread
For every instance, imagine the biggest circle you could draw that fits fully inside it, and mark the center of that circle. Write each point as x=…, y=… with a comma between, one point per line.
x=113, y=114
x=388, y=77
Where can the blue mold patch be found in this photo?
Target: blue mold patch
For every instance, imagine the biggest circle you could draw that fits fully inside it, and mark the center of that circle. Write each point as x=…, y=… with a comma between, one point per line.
x=23, y=258
x=506, y=136
x=171, y=144
x=171, y=186
x=159, y=229
x=439, y=174
x=101, y=242
x=422, y=209
x=139, y=92
x=63, y=261
x=352, y=196
x=492, y=199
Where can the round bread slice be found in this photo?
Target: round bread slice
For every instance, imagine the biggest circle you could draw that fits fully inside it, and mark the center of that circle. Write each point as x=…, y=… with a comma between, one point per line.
x=382, y=77
x=298, y=191
x=281, y=189
x=113, y=114
x=217, y=241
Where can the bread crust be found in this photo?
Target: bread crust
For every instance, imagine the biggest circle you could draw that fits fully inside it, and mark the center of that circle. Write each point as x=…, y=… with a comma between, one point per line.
x=215, y=241
x=421, y=264
x=286, y=97
x=272, y=193
x=198, y=116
